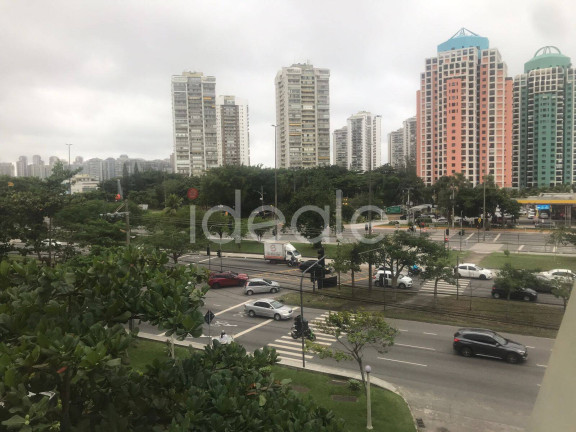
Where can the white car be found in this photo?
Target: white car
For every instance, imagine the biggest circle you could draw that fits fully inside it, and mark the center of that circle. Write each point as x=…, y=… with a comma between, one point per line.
x=563, y=275
x=261, y=285
x=386, y=276
x=268, y=308
x=472, y=271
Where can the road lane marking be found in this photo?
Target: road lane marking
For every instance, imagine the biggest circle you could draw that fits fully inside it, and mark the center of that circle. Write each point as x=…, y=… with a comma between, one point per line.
x=469, y=236
x=402, y=330
x=431, y=334
x=253, y=328
x=414, y=346
x=521, y=247
x=496, y=238
x=401, y=361
x=542, y=366
x=294, y=354
x=531, y=347
x=230, y=308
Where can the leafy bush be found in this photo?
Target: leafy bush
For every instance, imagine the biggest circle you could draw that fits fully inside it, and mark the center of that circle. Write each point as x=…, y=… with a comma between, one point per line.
x=354, y=385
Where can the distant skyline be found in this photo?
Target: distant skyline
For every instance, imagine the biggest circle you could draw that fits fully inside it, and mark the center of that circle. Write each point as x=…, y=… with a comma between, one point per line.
x=96, y=74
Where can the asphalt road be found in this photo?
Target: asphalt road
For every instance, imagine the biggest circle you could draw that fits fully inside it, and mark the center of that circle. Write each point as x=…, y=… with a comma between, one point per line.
x=444, y=389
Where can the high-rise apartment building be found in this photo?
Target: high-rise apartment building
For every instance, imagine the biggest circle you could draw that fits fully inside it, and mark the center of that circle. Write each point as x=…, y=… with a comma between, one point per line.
x=544, y=133
x=194, y=122
x=357, y=146
x=464, y=113
x=232, y=131
x=7, y=169
x=340, y=147
x=302, y=116
x=22, y=166
x=402, y=145
x=364, y=141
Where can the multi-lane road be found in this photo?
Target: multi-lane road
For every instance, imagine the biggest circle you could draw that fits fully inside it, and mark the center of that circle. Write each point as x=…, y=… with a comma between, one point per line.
x=443, y=388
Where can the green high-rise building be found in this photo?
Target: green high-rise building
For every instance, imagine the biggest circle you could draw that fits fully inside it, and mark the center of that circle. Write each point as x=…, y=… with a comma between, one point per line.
x=543, y=126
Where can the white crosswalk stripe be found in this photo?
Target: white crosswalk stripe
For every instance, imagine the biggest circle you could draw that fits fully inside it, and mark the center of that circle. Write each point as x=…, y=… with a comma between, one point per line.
x=288, y=348
x=445, y=288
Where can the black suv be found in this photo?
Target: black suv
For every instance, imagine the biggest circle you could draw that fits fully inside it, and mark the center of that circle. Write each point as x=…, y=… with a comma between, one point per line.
x=526, y=294
x=483, y=342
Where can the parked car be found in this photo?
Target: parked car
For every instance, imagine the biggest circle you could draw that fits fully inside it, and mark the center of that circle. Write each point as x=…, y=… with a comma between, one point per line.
x=441, y=219
x=260, y=285
x=526, y=294
x=472, y=271
x=384, y=277
x=483, y=342
x=227, y=279
x=562, y=275
x=268, y=308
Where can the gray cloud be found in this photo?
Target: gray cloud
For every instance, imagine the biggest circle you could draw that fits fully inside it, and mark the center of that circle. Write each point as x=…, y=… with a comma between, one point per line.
x=97, y=73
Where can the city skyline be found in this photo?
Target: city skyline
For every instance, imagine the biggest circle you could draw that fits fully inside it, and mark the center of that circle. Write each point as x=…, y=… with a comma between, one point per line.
x=99, y=80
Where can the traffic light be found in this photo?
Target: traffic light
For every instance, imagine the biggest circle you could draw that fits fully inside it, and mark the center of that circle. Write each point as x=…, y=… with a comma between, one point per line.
x=321, y=257
x=461, y=232
x=208, y=250
x=219, y=253
x=447, y=231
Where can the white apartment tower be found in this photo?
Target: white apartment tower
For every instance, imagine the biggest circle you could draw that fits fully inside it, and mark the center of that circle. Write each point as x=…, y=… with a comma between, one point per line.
x=402, y=145
x=232, y=131
x=340, y=147
x=364, y=136
x=302, y=116
x=194, y=122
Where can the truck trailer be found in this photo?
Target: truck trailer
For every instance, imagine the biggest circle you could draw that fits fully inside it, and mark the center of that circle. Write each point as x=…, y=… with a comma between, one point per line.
x=275, y=252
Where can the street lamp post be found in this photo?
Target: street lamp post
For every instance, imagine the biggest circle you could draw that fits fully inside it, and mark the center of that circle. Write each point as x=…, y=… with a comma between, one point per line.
x=368, y=369
x=275, y=180
x=312, y=266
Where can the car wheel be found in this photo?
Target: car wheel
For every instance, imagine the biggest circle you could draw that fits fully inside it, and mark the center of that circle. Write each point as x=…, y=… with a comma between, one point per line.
x=512, y=358
x=402, y=286
x=216, y=286
x=249, y=292
x=496, y=295
x=273, y=290
x=466, y=352
x=482, y=277
x=377, y=283
x=526, y=298
x=251, y=313
x=277, y=317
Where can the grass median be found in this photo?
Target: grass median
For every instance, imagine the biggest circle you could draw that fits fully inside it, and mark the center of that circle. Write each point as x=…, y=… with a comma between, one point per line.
x=465, y=311
x=390, y=413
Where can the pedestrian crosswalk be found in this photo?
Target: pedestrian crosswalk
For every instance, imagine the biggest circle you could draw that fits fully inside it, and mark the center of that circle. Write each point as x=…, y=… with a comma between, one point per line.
x=289, y=349
x=444, y=288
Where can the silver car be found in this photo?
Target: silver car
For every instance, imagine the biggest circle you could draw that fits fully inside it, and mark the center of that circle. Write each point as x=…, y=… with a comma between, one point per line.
x=268, y=308
x=261, y=285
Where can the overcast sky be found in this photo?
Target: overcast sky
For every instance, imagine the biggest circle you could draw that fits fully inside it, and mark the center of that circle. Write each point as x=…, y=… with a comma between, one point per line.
x=96, y=74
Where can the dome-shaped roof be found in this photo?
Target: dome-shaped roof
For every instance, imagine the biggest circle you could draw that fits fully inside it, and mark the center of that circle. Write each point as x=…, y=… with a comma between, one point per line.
x=464, y=38
x=547, y=57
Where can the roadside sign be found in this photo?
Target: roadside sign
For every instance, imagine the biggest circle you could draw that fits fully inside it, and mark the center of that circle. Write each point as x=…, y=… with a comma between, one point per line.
x=192, y=193
x=209, y=317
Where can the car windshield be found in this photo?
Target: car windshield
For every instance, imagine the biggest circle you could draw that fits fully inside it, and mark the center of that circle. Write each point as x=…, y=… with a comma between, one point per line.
x=276, y=304
x=296, y=253
x=268, y=281
x=500, y=339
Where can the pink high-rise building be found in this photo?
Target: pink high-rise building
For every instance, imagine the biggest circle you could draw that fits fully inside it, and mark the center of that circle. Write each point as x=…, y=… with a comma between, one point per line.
x=464, y=113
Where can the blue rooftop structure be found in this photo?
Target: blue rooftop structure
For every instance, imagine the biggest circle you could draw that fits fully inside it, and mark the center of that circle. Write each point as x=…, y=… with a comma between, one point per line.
x=464, y=38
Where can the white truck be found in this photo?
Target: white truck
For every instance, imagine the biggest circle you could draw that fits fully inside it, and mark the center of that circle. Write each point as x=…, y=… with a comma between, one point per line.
x=275, y=252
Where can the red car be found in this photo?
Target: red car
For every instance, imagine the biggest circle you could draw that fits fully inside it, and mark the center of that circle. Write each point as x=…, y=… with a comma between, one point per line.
x=227, y=279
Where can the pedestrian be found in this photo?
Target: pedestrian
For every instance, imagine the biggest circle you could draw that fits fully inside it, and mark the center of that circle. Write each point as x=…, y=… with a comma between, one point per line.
x=224, y=339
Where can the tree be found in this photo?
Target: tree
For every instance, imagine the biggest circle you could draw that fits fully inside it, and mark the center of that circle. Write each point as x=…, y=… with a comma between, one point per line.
x=435, y=260
x=562, y=290
x=511, y=279
x=341, y=261
x=354, y=332
x=170, y=232
x=64, y=363
x=173, y=203
x=401, y=250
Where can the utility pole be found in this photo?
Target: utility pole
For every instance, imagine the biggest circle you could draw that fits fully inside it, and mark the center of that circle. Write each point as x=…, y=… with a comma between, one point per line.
x=69, y=169
x=275, y=180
